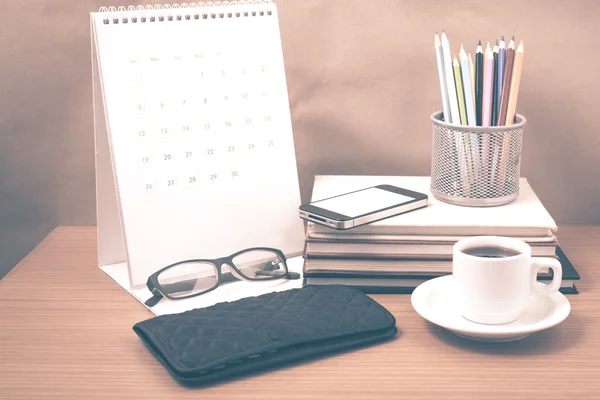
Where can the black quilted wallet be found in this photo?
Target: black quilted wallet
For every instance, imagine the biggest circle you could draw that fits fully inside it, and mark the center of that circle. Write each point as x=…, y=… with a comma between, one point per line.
x=244, y=336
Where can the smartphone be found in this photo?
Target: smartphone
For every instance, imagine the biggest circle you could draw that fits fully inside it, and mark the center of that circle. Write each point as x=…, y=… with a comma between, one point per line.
x=361, y=207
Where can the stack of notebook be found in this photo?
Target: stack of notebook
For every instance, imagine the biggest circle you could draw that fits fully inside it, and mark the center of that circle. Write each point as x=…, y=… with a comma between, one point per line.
x=398, y=253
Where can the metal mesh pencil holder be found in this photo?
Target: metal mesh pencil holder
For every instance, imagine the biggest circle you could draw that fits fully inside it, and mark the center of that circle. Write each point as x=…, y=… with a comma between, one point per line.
x=474, y=165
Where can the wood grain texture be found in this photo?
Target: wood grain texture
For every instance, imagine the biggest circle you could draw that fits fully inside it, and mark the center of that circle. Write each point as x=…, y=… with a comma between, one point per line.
x=65, y=333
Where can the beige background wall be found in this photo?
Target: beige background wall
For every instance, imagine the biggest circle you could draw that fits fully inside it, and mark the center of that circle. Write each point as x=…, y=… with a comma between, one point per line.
x=362, y=84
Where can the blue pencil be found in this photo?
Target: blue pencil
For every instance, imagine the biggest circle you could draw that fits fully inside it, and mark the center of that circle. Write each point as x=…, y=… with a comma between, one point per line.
x=501, y=67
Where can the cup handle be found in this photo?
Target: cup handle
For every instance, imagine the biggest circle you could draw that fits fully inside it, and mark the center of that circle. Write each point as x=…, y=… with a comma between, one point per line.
x=540, y=262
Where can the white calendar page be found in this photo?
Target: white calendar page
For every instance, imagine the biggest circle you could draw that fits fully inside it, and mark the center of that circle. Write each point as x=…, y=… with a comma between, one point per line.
x=200, y=133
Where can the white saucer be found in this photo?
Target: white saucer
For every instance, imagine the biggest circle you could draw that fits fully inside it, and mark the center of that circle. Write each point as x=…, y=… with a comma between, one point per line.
x=435, y=301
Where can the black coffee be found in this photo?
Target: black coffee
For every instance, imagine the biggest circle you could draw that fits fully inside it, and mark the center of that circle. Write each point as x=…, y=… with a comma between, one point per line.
x=491, y=252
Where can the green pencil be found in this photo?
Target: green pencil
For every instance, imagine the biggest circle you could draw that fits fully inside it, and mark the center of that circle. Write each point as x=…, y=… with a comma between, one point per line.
x=459, y=92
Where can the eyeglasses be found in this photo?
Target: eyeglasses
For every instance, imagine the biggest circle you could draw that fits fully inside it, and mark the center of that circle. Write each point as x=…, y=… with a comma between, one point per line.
x=189, y=278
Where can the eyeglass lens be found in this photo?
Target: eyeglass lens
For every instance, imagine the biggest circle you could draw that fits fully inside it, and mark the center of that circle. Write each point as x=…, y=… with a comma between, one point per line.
x=188, y=278
x=260, y=264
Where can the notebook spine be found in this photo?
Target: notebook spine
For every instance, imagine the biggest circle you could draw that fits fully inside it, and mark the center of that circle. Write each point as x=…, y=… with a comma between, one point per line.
x=182, y=11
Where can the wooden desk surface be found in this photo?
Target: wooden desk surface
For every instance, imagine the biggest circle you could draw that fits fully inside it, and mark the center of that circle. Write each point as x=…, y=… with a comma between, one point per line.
x=65, y=333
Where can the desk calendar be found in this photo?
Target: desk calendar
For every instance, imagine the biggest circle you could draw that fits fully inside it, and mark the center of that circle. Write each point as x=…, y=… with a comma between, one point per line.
x=194, y=147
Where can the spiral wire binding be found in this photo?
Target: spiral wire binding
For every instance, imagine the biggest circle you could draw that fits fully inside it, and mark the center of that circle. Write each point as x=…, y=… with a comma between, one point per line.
x=179, y=11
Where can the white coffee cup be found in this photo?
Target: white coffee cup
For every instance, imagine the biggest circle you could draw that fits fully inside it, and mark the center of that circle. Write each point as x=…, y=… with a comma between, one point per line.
x=495, y=290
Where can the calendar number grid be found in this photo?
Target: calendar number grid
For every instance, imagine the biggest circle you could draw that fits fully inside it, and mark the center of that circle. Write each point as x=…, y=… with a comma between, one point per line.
x=196, y=119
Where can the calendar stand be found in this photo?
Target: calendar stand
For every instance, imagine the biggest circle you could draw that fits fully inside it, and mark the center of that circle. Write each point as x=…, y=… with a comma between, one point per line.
x=194, y=146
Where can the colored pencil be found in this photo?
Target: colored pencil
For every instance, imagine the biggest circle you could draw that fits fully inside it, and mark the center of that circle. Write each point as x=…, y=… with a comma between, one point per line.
x=488, y=81
x=495, y=88
x=472, y=70
x=508, y=75
x=459, y=91
x=515, y=83
x=478, y=82
x=501, y=67
x=452, y=97
x=486, y=117
x=468, y=79
x=510, y=55
x=467, y=76
x=442, y=78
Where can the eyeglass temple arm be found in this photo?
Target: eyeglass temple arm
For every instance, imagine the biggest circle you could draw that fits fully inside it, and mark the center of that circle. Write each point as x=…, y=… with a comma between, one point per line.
x=290, y=274
x=152, y=301
x=273, y=266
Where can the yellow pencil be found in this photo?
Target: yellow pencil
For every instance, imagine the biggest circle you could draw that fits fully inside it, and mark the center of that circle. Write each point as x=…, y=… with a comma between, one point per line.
x=514, y=85
x=472, y=69
x=459, y=92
